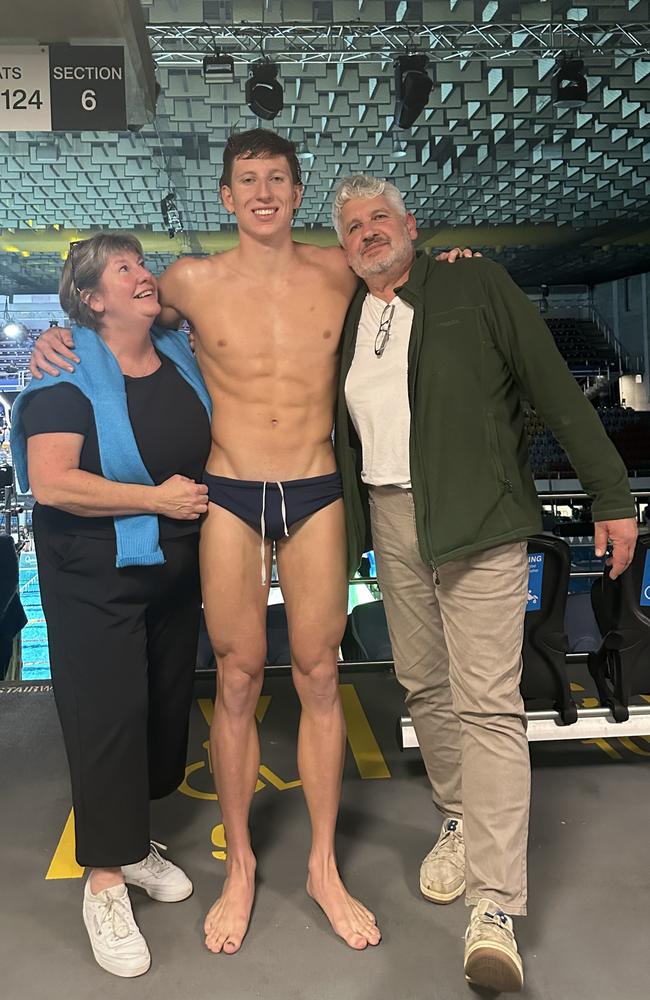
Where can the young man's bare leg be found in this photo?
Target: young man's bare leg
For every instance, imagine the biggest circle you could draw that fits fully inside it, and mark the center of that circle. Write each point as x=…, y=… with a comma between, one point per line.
x=235, y=609
x=316, y=612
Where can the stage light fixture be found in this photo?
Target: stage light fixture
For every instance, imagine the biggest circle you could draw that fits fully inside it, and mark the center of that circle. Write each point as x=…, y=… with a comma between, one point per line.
x=171, y=215
x=264, y=94
x=412, y=88
x=17, y=331
x=569, y=84
x=9, y=327
x=218, y=68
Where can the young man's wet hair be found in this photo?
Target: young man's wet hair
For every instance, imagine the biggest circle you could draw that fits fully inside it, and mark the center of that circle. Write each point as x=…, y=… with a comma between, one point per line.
x=256, y=144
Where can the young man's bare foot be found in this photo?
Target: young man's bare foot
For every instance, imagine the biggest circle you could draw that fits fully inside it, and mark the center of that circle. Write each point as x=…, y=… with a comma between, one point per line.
x=227, y=921
x=349, y=918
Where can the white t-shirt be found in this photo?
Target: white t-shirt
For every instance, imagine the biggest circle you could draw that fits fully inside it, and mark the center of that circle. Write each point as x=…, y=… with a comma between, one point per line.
x=376, y=392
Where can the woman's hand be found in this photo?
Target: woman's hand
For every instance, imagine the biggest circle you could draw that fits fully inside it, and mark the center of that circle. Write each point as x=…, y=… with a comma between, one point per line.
x=181, y=498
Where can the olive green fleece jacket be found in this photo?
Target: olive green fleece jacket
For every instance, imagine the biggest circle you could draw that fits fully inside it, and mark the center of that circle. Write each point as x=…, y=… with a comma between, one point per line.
x=478, y=347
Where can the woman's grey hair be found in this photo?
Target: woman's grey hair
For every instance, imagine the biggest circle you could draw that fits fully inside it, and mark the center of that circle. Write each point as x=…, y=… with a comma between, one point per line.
x=83, y=269
x=363, y=186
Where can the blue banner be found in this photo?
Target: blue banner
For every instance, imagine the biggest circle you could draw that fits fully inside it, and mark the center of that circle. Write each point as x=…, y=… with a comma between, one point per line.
x=535, y=577
x=644, y=599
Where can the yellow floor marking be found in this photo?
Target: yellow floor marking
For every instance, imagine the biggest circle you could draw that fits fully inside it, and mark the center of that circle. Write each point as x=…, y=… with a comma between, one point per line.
x=604, y=745
x=219, y=841
x=576, y=687
x=646, y=697
x=186, y=789
x=64, y=864
x=207, y=708
x=630, y=745
x=363, y=744
x=262, y=706
x=590, y=703
x=276, y=781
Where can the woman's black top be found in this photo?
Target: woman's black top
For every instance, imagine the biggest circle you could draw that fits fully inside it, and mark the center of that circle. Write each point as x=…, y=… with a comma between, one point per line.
x=171, y=429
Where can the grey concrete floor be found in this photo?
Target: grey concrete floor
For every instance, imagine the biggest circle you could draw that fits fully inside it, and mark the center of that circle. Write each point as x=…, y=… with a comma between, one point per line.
x=587, y=936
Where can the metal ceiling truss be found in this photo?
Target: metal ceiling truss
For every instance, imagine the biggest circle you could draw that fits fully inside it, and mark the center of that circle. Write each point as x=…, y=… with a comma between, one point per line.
x=186, y=44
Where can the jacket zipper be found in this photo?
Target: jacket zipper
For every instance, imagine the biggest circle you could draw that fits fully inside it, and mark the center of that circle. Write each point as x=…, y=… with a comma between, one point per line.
x=418, y=450
x=496, y=455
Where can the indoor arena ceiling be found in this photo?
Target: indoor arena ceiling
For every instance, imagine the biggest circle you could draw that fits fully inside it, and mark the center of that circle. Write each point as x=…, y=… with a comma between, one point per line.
x=490, y=154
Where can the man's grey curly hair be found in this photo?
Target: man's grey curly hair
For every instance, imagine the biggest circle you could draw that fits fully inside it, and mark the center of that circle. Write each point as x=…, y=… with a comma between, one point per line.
x=363, y=186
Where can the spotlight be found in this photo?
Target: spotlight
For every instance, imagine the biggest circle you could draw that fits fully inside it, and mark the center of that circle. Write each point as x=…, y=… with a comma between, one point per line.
x=17, y=331
x=399, y=150
x=9, y=327
x=264, y=95
x=412, y=88
x=569, y=84
x=171, y=215
x=218, y=68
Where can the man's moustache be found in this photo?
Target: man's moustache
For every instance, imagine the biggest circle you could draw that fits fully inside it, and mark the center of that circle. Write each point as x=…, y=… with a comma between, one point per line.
x=372, y=243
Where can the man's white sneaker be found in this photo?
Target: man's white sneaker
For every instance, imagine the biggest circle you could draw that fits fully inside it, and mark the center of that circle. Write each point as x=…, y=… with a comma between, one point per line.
x=442, y=873
x=491, y=956
x=116, y=941
x=159, y=878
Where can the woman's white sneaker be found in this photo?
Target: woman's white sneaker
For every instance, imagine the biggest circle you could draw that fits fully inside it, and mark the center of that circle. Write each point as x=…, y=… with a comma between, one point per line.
x=159, y=878
x=115, y=938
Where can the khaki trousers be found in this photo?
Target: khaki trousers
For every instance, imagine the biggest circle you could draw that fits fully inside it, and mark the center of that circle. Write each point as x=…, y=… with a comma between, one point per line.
x=457, y=650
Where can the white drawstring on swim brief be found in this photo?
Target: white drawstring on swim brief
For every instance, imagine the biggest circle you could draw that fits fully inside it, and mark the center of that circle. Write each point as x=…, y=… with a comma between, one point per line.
x=263, y=523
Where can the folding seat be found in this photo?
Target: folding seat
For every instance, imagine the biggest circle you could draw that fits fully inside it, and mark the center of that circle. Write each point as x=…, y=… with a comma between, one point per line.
x=544, y=678
x=12, y=615
x=277, y=640
x=582, y=630
x=366, y=634
x=204, y=653
x=621, y=666
x=278, y=652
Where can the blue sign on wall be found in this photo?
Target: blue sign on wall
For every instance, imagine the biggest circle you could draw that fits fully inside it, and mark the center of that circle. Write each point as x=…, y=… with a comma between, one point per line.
x=535, y=577
x=644, y=599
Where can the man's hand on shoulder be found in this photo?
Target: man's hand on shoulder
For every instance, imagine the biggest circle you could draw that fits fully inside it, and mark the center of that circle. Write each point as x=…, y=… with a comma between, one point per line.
x=451, y=256
x=53, y=353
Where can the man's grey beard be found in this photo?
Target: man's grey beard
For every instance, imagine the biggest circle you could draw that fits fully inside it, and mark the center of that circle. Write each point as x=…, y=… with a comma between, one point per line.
x=401, y=254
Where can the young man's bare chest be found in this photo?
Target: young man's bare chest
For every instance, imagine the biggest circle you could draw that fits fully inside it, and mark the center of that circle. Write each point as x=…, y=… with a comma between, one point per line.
x=283, y=321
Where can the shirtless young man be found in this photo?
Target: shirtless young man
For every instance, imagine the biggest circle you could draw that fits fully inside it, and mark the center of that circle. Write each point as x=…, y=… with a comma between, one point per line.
x=267, y=318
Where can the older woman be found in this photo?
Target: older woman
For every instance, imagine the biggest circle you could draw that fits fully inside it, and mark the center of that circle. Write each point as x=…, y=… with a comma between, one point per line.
x=115, y=470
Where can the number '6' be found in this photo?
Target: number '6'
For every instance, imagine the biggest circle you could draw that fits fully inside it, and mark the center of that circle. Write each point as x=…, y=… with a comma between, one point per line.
x=89, y=100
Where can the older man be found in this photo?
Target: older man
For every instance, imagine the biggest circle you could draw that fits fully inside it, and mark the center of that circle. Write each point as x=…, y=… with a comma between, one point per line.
x=444, y=478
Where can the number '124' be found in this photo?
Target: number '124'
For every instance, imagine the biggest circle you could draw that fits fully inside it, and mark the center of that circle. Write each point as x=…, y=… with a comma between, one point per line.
x=19, y=100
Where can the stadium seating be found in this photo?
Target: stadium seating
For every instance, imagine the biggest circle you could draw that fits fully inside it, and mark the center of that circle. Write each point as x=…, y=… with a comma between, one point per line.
x=628, y=429
x=14, y=360
x=584, y=348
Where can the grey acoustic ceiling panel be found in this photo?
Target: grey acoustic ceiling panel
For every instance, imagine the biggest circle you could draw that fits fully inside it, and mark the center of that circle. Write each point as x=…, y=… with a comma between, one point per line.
x=490, y=148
